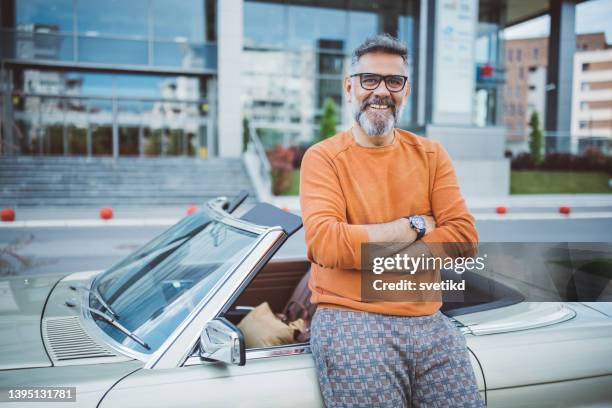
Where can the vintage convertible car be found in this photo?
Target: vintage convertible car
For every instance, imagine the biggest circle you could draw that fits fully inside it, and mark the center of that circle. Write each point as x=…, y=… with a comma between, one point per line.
x=159, y=328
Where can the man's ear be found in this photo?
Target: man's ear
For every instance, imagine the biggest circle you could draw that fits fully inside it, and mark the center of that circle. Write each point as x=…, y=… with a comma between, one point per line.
x=347, y=88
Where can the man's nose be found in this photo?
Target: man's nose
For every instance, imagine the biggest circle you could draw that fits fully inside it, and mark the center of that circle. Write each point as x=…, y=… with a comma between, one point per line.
x=381, y=90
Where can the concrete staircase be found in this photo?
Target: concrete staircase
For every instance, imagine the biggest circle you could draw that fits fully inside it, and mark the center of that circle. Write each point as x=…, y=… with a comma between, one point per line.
x=27, y=181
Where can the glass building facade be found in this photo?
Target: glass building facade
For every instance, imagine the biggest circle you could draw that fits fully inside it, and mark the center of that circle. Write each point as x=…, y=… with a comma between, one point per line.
x=138, y=77
x=298, y=52
x=119, y=77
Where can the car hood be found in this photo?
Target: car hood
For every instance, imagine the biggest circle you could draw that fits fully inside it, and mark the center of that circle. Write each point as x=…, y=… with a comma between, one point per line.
x=22, y=302
x=38, y=329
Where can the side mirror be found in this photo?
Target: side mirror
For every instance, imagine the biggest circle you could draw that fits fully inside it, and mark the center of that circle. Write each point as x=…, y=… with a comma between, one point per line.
x=222, y=341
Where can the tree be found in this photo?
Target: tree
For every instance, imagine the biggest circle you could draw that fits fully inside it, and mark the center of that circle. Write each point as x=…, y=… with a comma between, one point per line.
x=329, y=120
x=536, y=138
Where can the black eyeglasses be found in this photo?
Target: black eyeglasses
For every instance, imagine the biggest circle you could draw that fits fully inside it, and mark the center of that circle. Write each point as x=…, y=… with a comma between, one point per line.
x=370, y=82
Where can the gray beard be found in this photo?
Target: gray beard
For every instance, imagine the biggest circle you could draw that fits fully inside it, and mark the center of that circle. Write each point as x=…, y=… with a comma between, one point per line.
x=381, y=123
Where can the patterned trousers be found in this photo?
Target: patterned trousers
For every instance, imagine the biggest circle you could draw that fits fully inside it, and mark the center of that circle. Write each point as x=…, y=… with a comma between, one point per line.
x=373, y=360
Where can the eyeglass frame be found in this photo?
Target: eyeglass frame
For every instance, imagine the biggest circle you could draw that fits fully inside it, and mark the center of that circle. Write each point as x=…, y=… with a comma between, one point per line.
x=381, y=78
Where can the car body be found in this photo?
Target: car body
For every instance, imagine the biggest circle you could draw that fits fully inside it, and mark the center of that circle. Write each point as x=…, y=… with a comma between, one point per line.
x=180, y=293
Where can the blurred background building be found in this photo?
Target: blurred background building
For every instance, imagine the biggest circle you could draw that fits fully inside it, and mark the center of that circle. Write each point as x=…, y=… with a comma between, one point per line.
x=165, y=78
x=526, y=87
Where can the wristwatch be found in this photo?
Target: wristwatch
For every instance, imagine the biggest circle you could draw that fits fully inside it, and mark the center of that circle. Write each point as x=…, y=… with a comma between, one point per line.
x=418, y=224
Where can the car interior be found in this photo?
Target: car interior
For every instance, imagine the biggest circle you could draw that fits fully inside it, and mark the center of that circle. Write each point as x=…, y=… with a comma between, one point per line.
x=282, y=283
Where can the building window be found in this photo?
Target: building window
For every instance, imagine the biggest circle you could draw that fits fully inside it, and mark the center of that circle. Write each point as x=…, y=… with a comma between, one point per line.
x=521, y=73
x=533, y=69
x=95, y=19
x=584, y=105
x=536, y=53
x=584, y=86
x=583, y=124
x=518, y=54
x=585, y=66
x=32, y=15
x=532, y=87
x=517, y=91
x=510, y=53
x=264, y=25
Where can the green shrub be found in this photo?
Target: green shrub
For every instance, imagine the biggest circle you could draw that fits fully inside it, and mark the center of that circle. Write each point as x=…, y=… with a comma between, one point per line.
x=536, y=138
x=329, y=120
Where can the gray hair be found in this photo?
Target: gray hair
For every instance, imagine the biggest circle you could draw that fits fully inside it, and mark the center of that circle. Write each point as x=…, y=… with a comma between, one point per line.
x=383, y=43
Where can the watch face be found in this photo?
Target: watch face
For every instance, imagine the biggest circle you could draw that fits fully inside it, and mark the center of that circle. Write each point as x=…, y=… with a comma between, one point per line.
x=418, y=222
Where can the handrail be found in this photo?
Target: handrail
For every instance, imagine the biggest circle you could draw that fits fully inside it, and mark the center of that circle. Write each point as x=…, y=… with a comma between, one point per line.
x=264, y=167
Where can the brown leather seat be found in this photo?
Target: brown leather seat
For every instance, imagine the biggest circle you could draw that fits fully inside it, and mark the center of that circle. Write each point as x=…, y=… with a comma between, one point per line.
x=299, y=306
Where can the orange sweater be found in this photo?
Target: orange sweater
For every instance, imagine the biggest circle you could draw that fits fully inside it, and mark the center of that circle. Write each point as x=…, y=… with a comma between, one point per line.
x=344, y=184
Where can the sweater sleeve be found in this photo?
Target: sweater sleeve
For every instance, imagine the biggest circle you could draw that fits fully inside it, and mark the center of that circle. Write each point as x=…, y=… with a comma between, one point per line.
x=330, y=240
x=454, y=222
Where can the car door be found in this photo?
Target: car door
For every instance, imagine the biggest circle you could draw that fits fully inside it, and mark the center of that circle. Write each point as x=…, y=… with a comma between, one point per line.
x=284, y=377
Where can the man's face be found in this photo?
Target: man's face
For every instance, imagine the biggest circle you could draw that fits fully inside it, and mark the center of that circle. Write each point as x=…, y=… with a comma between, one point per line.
x=377, y=111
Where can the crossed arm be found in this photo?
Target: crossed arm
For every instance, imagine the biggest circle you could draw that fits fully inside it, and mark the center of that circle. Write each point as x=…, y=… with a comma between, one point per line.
x=334, y=243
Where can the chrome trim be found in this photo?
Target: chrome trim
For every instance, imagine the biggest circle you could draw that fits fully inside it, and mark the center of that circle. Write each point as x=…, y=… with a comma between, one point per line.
x=290, y=350
x=161, y=352
x=196, y=360
x=214, y=207
x=222, y=341
x=462, y=328
x=255, y=354
x=560, y=313
x=245, y=308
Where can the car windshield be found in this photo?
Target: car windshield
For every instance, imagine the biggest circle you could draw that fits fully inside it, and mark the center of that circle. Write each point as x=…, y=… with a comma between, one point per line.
x=153, y=290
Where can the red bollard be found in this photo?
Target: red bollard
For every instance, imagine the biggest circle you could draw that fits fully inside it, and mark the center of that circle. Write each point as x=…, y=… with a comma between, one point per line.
x=106, y=213
x=565, y=210
x=7, y=214
x=501, y=210
x=192, y=209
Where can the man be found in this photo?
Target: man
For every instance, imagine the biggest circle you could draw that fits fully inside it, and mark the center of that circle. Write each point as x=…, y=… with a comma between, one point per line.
x=359, y=186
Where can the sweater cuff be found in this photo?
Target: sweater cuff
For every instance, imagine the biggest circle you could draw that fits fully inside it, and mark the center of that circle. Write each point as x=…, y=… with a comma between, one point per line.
x=358, y=235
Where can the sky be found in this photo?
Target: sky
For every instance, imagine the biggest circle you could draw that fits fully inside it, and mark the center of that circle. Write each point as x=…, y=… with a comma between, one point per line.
x=591, y=16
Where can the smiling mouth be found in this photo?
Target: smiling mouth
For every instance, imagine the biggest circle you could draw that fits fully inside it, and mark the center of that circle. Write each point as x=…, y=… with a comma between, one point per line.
x=380, y=107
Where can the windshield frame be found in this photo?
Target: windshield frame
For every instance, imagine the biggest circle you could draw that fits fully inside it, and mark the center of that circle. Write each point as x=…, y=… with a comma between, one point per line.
x=213, y=209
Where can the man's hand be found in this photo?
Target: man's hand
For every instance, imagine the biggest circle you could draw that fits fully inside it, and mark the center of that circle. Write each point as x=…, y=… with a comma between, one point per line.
x=430, y=223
